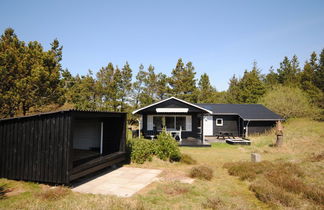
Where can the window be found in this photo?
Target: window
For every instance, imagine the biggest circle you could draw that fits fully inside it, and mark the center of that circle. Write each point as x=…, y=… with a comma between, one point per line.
x=170, y=122
x=219, y=121
x=157, y=123
x=181, y=122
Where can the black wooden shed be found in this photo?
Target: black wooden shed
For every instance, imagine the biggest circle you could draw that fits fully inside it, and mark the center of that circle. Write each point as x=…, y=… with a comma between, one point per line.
x=62, y=146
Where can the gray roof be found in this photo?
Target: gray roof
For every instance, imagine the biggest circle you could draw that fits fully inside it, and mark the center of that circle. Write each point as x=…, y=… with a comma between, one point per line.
x=245, y=111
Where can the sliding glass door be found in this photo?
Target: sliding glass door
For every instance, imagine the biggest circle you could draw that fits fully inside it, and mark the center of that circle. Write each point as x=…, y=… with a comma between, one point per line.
x=169, y=122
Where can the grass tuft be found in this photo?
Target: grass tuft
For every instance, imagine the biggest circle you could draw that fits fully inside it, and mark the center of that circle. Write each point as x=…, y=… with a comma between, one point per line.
x=187, y=159
x=317, y=157
x=213, y=203
x=201, y=172
x=247, y=170
x=270, y=194
x=176, y=189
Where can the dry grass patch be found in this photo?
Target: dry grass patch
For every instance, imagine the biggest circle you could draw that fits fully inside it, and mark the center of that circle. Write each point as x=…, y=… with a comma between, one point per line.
x=187, y=159
x=317, y=157
x=201, y=172
x=176, y=188
x=270, y=194
x=213, y=203
x=247, y=170
x=54, y=193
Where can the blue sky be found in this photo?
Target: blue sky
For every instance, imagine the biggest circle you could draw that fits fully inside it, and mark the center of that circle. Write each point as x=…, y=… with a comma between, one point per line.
x=221, y=38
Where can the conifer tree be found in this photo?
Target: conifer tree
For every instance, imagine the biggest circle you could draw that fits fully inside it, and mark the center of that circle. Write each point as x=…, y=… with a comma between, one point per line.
x=319, y=73
x=183, y=82
x=138, y=86
x=108, y=83
x=82, y=92
x=288, y=72
x=125, y=85
x=206, y=93
x=30, y=76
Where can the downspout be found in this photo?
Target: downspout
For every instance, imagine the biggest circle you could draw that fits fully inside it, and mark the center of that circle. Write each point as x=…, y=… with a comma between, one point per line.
x=247, y=129
x=101, y=138
x=202, y=128
x=139, y=128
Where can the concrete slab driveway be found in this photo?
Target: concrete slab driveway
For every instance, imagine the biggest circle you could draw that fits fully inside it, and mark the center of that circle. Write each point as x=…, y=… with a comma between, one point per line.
x=123, y=182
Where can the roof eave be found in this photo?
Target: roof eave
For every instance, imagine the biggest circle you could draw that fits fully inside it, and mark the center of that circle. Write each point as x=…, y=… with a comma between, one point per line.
x=201, y=108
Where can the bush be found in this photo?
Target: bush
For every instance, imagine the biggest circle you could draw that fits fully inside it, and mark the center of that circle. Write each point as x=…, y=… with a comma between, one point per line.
x=201, y=172
x=166, y=147
x=317, y=157
x=288, y=102
x=247, y=170
x=140, y=150
x=250, y=170
x=268, y=193
x=187, y=159
x=213, y=203
x=314, y=193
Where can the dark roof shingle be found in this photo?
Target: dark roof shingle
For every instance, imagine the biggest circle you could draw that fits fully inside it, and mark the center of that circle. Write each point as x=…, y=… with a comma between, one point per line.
x=245, y=111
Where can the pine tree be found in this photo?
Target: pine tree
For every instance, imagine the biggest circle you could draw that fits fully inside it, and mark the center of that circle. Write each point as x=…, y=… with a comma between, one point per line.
x=82, y=92
x=288, y=73
x=125, y=85
x=183, y=82
x=108, y=84
x=138, y=86
x=162, y=89
x=271, y=78
x=205, y=93
x=249, y=89
x=30, y=76
x=233, y=90
x=319, y=73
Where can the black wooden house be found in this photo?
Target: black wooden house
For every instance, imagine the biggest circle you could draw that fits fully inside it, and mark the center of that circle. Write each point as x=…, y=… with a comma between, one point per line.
x=62, y=146
x=196, y=121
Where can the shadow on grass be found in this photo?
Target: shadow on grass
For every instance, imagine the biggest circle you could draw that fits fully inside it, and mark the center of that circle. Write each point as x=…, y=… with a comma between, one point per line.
x=3, y=190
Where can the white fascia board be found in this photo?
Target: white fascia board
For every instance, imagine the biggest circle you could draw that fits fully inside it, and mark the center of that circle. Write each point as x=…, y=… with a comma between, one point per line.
x=198, y=107
x=172, y=110
x=263, y=119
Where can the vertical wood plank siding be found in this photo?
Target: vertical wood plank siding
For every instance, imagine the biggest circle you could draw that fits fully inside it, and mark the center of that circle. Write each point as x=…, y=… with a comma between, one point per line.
x=35, y=148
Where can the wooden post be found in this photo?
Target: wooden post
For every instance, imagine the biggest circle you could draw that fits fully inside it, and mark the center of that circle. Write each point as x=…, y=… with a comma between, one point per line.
x=279, y=134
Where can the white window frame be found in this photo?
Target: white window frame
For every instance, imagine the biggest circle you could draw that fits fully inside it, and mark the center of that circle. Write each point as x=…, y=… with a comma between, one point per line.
x=219, y=124
x=188, y=118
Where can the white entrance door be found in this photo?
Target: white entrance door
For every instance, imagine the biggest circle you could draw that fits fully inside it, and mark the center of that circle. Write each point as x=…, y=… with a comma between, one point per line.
x=208, y=125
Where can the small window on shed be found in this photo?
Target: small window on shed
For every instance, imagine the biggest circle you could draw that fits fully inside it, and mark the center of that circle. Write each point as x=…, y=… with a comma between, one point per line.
x=219, y=121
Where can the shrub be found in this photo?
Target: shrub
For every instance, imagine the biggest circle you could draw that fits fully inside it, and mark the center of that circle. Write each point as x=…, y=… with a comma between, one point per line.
x=187, y=159
x=141, y=150
x=268, y=193
x=166, y=147
x=250, y=170
x=54, y=193
x=285, y=181
x=288, y=102
x=317, y=157
x=201, y=172
x=247, y=170
x=213, y=203
x=314, y=193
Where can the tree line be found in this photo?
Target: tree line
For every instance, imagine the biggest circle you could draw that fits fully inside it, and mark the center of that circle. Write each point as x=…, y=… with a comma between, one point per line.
x=32, y=79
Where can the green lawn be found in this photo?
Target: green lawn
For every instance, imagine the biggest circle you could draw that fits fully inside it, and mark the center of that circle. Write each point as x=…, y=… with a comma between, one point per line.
x=303, y=138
